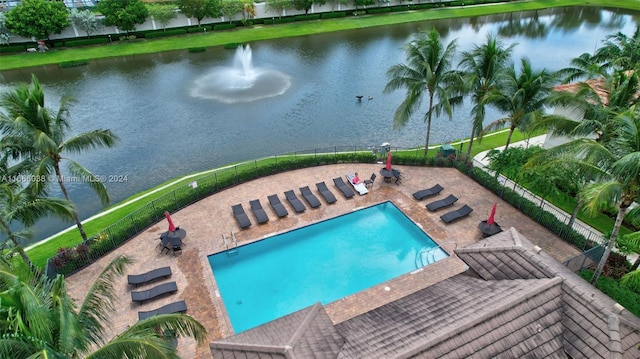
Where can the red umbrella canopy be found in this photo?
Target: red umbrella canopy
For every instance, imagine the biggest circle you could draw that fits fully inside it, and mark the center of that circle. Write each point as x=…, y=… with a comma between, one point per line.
x=388, y=166
x=491, y=219
x=172, y=228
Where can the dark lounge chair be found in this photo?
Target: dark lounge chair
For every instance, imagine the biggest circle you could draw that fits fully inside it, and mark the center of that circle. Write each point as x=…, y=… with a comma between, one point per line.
x=369, y=182
x=457, y=214
x=241, y=216
x=325, y=193
x=150, y=276
x=164, y=288
x=277, y=206
x=175, y=307
x=294, y=201
x=346, y=190
x=445, y=202
x=258, y=211
x=311, y=198
x=428, y=192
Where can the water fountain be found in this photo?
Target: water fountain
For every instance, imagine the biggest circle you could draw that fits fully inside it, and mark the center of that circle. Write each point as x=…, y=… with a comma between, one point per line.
x=241, y=82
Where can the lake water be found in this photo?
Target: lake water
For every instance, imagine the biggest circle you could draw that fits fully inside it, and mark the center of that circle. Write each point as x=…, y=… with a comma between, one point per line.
x=165, y=132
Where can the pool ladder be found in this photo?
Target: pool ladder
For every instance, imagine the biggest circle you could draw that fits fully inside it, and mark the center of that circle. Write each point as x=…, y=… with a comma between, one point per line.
x=231, y=250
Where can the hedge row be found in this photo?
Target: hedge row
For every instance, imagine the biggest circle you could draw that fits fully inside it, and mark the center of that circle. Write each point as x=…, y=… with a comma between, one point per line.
x=224, y=26
x=162, y=33
x=85, y=42
x=333, y=15
x=307, y=17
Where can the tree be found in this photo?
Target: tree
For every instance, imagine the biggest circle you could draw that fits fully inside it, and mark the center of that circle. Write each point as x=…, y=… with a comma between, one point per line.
x=614, y=164
x=38, y=18
x=363, y=3
x=278, y=6
x=85, y=20
x=228, y=8
x=162, y=13
x=427, y=73
x=19, y=203
x=521, y=96
x=33, y=132
x=306, y=4
x=199, y=8
x=632, y=243
x=481, y=67
x=5, y=34
x=40, y=320
x=124, y=14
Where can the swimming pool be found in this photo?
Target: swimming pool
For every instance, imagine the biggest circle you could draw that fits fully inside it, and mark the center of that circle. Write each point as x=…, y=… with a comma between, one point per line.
x=322, y=262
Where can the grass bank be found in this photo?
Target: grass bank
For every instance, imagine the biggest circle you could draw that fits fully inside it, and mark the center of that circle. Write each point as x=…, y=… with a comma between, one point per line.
x=264, y=32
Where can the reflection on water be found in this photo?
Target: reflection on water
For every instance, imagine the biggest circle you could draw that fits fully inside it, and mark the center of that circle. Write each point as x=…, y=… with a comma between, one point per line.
x=165, y=132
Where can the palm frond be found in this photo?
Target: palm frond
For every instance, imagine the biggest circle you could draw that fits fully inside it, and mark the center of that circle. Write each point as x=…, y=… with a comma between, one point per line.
x=93, y=181
x=100, y=300
x=631, y=280
x=90, y=140
x=601, y=195
x=180, y=324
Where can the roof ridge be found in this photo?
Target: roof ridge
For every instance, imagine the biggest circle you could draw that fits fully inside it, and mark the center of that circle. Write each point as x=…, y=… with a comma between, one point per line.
x=534, y=289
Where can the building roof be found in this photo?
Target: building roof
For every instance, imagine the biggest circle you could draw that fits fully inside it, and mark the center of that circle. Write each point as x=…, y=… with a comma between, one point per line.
x=514, y=301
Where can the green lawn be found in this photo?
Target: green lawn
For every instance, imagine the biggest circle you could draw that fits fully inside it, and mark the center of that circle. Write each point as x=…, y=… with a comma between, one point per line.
x=263, y=32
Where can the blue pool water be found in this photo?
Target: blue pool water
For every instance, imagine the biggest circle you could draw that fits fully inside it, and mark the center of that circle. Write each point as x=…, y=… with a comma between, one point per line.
x=319, y=263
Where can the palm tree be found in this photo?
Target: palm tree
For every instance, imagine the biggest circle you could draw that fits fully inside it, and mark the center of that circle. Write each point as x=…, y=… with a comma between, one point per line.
x=32, y=132
x=428, y=70
x=620, y=52
x=614, y=165
x=481, y=67
x=522, y=96
x=19, y=203
x=38, y=319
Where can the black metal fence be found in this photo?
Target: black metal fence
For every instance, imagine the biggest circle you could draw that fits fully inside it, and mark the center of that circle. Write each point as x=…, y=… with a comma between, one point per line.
x=194, y=188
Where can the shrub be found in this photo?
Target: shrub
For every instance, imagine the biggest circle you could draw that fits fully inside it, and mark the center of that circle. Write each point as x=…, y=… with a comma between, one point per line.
x=623, y=295
x=86, y=42
x=224, y=26
x=198, y=29
x=161, y=33
x=284, y=20
x=379, y=10
x=16, y=48
x=233, y=45
x=306, y=17
x=333, y=15
x=197, y=49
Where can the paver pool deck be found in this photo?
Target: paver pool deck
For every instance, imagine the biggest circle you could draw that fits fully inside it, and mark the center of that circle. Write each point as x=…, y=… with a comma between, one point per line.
x=207, y=220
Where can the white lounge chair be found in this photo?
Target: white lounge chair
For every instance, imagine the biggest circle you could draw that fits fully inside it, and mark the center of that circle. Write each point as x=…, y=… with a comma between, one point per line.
x=361, y=188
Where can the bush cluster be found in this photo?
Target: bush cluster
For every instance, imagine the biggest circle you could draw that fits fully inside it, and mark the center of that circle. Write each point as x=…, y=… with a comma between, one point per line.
x=162, y=33
x=85, y=42
x=224, y=26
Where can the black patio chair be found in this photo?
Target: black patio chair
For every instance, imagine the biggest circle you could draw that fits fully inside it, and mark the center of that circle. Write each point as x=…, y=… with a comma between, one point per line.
x=241, y=216
x=294, y=201
x=311, y=198
x=277, y=206
x=457, y=214
x=150, y=276
x=258, y=211
x=175, y=307
x=346, y=190
x=422, y=194
x=445, y=202
x=325, y=193
x=162, y=289
x=369, y=182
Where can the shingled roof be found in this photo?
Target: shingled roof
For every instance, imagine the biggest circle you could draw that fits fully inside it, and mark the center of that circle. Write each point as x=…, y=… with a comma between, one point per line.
x=515, y=301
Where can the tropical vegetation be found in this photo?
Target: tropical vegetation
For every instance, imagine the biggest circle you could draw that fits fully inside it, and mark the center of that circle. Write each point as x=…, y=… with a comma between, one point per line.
x=38, y=319
x=428, y=73
x=37, y=135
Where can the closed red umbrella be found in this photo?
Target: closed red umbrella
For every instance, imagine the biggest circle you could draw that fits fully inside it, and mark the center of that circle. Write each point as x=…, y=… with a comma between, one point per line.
x=388, y=166
x=172, y=228
x=491, y=219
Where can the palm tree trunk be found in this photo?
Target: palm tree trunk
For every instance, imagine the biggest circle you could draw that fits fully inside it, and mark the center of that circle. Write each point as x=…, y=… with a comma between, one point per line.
x=614, y=235
x=574, y=215
x=426, y=144
x=473, y=133
x=66, y=196
x=511, y=129
x=16, y=244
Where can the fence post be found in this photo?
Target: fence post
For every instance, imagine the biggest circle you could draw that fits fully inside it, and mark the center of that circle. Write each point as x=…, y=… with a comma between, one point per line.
x=255, y=167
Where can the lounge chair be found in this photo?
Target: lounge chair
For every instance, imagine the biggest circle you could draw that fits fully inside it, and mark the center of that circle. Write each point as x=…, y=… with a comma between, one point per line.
x=150, y=276
x=369, y=182
x=428, y=192
x=241, y=216
x=445, y=202
x=175, y=307
x=258, y=211
x=311, y=198
x=325, y=193
x=346, y=190
x=294, y=201
x=457, y=214
x=164, y=288
x=359, y=187
x=277, y=206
